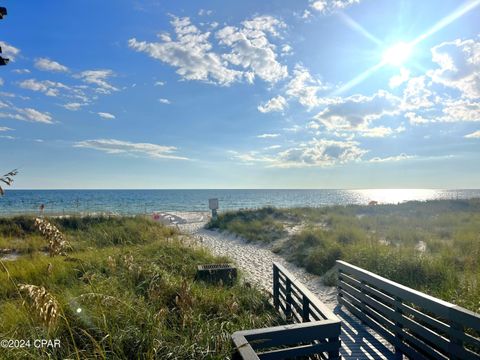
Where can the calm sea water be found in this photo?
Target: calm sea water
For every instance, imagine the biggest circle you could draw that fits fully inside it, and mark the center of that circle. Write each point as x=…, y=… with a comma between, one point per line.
x=148, y=201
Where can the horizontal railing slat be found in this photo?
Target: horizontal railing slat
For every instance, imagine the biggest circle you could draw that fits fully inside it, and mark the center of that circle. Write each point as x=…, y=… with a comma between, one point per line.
x=440, y=307
x=405, y=309
x=421, y=347
x=415, y=323
x=303, y=350
x=291, y=333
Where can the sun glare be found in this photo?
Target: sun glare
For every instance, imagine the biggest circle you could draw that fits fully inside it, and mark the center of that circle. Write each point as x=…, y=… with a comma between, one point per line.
x=397, y=54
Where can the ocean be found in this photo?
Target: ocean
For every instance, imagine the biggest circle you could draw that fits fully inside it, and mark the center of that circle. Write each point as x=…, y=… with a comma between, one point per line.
x=149, y=201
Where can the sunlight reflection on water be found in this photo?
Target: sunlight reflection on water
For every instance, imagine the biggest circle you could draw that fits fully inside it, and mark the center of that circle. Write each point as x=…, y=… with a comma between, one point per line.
x=395, y=196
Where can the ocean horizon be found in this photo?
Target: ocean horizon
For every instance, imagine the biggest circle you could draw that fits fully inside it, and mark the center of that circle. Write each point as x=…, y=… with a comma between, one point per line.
x=146, y=201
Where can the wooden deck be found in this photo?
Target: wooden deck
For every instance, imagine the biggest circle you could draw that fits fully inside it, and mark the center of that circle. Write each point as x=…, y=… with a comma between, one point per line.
x=375, y=318
x=359, y=341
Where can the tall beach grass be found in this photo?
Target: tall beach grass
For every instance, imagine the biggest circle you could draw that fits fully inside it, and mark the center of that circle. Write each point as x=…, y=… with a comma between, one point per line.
x=125, y=290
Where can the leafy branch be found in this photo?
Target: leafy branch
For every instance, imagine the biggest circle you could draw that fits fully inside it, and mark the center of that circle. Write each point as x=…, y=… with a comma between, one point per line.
x=7, y=179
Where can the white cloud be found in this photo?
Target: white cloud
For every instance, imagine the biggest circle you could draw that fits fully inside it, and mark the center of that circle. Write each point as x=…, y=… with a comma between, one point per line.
x=356, y=112
x=306, y=14
x=24, y=114
x=397, y=80
x=73, y=106
x=273, y=147
x=417, y=95
x=401, y=157
x=165, y=101
x=251, y=54
x=159, y=83
x=315, y=153
x=191, y=53
x=28, y=114
x=14, y=116
x=99, y=78
x=49, y=88
x=459, y=66
x=321, y=153
x=474, y=135
x=4, y=128
x=21, y=71
x=287, y=50
x=49, y=65
x=274, y=104
x=326, y=6
x=252, y=50
x=268, y=136
x=377, y=132
x=460, y=110
x=320, y=5
x=36, y=116
x=304, y=88
x=416, y=119
x=203, y=12
x=106, y=115
x=9, y=51
x=113, y=146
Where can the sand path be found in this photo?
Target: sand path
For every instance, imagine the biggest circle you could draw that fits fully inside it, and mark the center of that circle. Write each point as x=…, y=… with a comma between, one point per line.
x=255, y=260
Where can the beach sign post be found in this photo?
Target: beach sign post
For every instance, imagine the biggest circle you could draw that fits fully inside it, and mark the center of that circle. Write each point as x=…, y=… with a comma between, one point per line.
x=213, y=205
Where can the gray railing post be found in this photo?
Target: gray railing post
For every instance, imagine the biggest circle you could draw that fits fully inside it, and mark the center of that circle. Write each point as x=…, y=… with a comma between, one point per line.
x=305, y=308
x=288, y=299
x=276, y=283
x=399, y=332
x=339, y=296
x=362, y=289
x=454, y=341
x=334, y=354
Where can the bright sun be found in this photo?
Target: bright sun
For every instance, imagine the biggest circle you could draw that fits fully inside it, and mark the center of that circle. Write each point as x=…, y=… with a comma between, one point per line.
x=397, y=54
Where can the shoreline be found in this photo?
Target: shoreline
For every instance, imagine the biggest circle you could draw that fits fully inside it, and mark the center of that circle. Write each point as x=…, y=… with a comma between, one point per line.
x=146, y=202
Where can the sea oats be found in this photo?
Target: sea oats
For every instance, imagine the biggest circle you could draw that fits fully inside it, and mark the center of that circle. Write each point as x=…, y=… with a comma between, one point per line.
x=43, y=302
x=57, y=244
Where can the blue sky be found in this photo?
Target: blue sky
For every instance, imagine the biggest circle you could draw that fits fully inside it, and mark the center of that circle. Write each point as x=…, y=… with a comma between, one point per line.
x=245, y=94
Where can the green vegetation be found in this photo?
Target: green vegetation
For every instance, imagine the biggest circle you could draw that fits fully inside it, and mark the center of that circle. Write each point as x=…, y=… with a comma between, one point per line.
x=431, y=246
x=125, y=290
x=259, y=225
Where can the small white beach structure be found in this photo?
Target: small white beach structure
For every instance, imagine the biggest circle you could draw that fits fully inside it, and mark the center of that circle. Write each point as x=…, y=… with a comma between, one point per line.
x=213, y=205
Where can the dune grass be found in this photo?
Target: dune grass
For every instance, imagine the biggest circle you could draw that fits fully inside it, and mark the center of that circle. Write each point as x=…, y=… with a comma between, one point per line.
x=126, y=290
x=253, y=225
x=431, y=246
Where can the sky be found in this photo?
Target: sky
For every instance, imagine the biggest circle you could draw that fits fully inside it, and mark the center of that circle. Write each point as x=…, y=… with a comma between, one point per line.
x=241, y=94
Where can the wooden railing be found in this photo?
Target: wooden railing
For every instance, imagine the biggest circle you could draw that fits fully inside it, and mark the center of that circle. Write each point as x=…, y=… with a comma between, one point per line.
x=314, y=334
x=417, y=325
